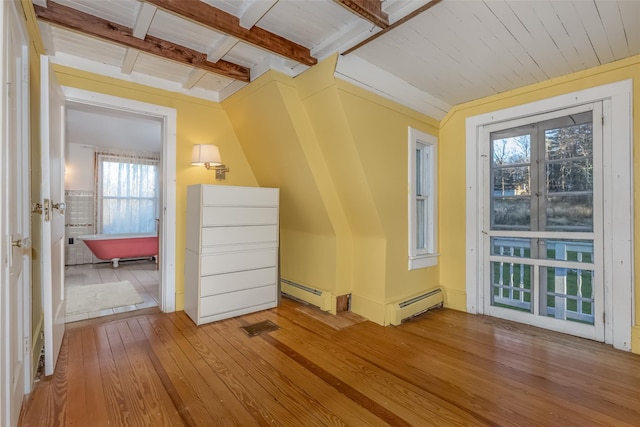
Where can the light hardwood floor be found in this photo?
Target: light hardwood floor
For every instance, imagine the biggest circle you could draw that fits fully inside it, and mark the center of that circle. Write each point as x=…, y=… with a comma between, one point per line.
x=444, y=368
x=143, y=274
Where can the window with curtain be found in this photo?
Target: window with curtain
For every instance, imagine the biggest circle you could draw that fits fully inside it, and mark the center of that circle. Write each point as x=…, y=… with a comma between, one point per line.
x=127, y=192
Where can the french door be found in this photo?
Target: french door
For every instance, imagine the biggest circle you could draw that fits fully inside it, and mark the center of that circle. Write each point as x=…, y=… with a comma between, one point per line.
x=543, y=221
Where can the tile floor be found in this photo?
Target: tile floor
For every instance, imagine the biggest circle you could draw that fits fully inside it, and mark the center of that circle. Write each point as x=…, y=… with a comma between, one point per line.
x=141, y=273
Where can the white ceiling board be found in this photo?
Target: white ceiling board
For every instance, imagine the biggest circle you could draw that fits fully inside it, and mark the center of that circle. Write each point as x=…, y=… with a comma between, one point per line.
x=213, y=82
x=630, y=12
x=161, y=68
x=90, y=48
x=610, y=14
x=123, y=12
x=185, y=33
x=456, y=51
x=111, y=128
x=314, y=20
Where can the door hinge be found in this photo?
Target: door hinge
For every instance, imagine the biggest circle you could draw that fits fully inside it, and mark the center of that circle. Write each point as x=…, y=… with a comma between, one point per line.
x=603, y=120
x=604, y=317
x=8, y=90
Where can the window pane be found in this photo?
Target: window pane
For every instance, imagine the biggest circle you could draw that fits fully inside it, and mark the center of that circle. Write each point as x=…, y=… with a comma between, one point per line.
x=569, y=142
x=511, y=212
x=569, y=176
x=570, y=213
x=421, y=219
x=511, y=181
x=419, y=171
x=512, y=150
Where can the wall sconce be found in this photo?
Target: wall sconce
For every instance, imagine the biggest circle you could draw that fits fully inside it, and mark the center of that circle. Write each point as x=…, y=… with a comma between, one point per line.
x=208, y=155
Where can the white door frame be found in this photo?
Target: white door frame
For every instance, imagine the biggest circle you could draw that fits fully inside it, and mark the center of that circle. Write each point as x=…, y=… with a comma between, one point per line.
x=618, y=200
x=168, y=212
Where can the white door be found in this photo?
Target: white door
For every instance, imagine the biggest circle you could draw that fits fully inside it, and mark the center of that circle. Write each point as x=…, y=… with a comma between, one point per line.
x=52, y=152
x=15, y=217
x=544, y=216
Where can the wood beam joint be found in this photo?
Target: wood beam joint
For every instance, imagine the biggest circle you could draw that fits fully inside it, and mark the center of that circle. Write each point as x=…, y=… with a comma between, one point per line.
x=371, y=10
x=216, y=19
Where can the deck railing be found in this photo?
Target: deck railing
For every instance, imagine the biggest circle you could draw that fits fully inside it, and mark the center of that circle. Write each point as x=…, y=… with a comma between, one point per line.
x=567, y=293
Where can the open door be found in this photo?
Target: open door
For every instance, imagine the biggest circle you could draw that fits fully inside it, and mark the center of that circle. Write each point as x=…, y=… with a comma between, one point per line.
x=52, y=152
x=14, y=216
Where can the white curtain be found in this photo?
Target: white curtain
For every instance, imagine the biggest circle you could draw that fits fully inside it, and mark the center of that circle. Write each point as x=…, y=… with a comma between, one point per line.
x=127, y=189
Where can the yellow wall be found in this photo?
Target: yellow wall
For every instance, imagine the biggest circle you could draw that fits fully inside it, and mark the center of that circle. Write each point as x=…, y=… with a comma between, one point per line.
x=452, y=180
x=344, y=209
x=198, y=122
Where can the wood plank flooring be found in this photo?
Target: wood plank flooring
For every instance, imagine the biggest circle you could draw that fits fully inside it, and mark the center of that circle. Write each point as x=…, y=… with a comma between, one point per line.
x=444, y=368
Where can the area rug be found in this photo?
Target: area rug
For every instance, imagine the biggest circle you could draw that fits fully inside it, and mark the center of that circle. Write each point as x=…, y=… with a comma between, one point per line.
x=89, y=298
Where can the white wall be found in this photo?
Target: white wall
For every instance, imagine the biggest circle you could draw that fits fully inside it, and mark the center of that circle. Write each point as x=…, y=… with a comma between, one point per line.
x=79, y=165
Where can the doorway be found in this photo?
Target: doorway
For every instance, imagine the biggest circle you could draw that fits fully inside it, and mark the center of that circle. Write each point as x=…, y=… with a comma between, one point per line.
x=537, y=270
x=154, y=283
x=544, y=244
x=112, y=189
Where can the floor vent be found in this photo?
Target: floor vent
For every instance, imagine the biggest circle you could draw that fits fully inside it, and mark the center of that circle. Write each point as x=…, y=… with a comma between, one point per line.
x=317, y=297
x=413, y=306
x=260, y=328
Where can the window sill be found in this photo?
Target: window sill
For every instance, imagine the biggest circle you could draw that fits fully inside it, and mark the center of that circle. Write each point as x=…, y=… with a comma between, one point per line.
x=423, y=261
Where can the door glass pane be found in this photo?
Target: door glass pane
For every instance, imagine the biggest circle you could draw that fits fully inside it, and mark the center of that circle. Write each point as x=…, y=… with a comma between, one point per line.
x=511, y=246
x=570, y=212
x=569, y=250
x=570, y=141
x=569, y=294
x=511, y=285
x=511, y=213
x=512, y=150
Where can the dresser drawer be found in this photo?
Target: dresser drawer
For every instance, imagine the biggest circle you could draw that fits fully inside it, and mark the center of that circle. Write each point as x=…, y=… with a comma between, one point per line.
x=230, y=282
x=238, y=300
x=238, y=215
x=214, y=236
x=237, y=261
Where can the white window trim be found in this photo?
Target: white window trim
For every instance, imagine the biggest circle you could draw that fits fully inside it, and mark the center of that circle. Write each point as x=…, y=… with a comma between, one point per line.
x=618, y=193
x=422, y=258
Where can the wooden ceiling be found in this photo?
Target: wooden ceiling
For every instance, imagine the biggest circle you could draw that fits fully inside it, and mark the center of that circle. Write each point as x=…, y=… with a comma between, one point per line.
x=427, y=55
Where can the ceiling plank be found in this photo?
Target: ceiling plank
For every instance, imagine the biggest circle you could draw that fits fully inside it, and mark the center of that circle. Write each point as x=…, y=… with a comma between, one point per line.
x=73, y=19
x=219, y=20
x=394, y=25
x=371, y=10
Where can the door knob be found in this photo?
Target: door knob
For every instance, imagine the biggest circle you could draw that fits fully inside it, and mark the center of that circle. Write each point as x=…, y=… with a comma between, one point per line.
x=60, y=206
x=21, y=243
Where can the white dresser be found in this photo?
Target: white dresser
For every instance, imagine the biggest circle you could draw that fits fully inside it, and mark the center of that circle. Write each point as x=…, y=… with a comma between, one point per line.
x=231, y=262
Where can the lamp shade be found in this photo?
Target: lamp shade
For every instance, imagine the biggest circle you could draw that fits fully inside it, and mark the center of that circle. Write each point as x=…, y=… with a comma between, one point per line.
x=205, y=153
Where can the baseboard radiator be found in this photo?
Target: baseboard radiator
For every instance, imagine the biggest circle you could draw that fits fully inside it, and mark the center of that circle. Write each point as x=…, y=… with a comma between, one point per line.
x=317, y=297
x=413, y=306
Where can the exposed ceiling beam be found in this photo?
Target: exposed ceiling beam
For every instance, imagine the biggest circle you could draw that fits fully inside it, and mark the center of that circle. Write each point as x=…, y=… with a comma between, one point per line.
x=219, y=20
x=222, y=48
x=394, y=25
x=73, y=19
x=371, y=10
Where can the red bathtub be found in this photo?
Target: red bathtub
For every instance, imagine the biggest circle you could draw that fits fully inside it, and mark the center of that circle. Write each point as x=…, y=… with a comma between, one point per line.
x=115, y=247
